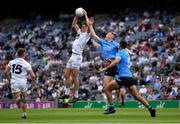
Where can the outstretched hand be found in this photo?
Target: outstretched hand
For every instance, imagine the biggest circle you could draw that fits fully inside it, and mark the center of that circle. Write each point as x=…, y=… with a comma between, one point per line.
x=85, y=13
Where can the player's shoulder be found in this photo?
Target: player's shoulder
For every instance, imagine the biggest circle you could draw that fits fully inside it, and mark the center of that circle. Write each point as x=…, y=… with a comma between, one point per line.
x=13, y=61
x=10, y=62
x=121, y=52
x=102, y=41
x=26, y=62
x=124, y=53
x=78, y=31
x=116, y=43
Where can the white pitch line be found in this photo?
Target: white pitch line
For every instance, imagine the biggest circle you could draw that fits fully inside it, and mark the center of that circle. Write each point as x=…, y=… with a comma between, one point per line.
x=93, y=123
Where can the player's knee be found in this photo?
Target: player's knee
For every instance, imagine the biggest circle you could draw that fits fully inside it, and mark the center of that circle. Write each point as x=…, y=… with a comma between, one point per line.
x=74, y=74
x=75, y=79
x=18, y=100
x=137, y=97
x=103, y=90
x=67, y=76
x=106, y=89
x=24, y=99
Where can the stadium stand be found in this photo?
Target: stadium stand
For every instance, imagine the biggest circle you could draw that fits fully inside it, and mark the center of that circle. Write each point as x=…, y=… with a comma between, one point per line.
x=153, y=35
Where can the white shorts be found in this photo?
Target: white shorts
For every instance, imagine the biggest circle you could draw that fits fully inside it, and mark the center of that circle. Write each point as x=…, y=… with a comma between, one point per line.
x=75, y=61
x=17, y=87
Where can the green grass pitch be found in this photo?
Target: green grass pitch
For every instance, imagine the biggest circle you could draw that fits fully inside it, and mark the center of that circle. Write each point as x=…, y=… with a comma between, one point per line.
x=75, y=115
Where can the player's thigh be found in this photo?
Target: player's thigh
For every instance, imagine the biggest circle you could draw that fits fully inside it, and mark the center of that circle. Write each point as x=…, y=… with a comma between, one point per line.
x=107, y=80
x=113, y=85
x=15, y=89
x=74, y=62
x=23, y=87
x=67, y=72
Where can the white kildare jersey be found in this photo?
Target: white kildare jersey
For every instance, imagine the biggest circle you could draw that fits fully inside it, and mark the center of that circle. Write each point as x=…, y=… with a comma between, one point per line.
x=80, y=43
x=19, y=70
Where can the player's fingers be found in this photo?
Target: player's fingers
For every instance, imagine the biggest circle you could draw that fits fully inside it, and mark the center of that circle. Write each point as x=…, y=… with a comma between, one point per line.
x=85, y=12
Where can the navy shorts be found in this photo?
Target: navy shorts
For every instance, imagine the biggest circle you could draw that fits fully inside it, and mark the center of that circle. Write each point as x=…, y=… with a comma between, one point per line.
x=111, y=71
x=125, y=81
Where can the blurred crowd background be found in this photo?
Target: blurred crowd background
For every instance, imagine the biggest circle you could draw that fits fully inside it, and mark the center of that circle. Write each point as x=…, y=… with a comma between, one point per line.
x=153, y=35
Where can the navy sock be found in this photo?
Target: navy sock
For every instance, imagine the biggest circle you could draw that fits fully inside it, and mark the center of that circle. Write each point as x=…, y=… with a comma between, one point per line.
x=111, y=104
x=149, y=108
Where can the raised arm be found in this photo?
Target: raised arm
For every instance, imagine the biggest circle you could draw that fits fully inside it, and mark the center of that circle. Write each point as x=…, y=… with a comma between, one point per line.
x=130, y=52
x=96, y=38
x=75, y=23
x=86, y=17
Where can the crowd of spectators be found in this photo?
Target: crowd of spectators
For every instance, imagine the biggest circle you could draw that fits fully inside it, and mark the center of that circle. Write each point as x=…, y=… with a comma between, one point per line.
x=152, y=35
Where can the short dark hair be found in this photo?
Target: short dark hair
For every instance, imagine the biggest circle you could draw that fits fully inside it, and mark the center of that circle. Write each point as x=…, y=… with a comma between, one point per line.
x=123, y=44
x=111, y=32
x=114, y=33
x=21, y=51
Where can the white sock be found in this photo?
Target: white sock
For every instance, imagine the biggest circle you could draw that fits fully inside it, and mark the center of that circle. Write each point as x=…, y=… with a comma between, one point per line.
x=24, y=114
x=76, y=93
x=67, y=91
x=104, y=97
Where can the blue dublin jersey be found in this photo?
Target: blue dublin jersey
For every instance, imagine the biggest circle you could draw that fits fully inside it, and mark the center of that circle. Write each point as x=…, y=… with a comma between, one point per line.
x=124, y=63
x=108, y=48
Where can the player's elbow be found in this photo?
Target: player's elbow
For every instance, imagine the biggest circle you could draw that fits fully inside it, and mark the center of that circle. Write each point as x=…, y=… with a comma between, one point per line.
x=116, y=62
x=33, y=77
x=73, y=25
x=94, y=36
x=88, y=24
x=7, y=73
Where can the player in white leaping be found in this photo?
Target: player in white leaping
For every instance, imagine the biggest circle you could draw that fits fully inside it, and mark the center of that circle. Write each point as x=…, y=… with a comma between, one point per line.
x=16, y=72
x=72, y=68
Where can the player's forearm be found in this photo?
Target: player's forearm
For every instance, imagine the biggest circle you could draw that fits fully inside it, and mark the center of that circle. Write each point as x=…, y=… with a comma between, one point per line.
x=113, y=63
x=87, y=20
x=129, y=51
x=33, y=80
x=8, y=77
x=93, y=33
x=75, y=21
x=32, y=76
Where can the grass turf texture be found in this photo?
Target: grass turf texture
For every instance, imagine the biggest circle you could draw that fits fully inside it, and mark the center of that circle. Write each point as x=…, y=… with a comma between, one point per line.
x=75, y=115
